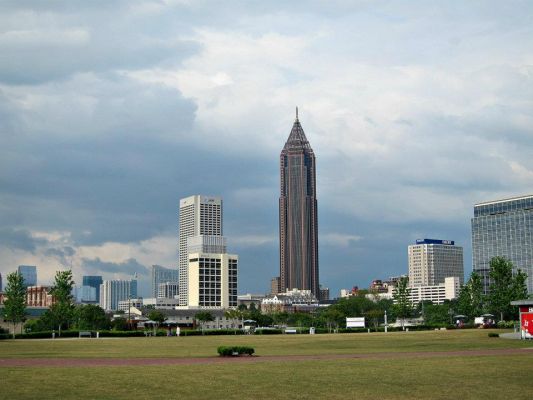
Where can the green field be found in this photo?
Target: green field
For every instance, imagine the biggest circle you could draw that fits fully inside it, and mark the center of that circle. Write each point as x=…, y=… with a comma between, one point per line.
x=488, y=377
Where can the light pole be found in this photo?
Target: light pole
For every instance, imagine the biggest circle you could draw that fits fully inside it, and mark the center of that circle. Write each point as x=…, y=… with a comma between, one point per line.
x=385, y=321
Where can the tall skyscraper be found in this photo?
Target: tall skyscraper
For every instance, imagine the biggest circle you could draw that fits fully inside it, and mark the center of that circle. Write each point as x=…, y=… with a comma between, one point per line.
x=198, y=215
x=162, y=275
x=298, y=226
x=1, y=282
x=432, y=261
x=113, y=291
x=29, y=274
x=93, y=281
x=503, y=228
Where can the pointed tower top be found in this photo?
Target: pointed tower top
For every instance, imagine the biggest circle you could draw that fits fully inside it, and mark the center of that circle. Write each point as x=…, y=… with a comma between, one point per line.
x=297, y=139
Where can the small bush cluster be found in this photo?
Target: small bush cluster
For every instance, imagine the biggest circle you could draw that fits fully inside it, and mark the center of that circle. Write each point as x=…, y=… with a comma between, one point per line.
x=263, y=331
x=505, y=324
x=229, y=351
x=494, y=334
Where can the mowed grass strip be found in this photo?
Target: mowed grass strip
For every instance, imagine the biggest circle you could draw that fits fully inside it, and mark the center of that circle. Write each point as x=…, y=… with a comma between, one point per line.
x=205, y=346
x=477, y=377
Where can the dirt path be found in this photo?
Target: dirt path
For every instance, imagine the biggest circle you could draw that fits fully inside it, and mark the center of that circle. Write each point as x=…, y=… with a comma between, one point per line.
x=97, y=362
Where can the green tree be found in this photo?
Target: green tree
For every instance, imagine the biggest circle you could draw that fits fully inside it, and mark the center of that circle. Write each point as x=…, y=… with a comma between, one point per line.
x=471, y=299
x=61, y=312
x=374, y=316
x=402, y=305
x=505, y=287
x=15, y=302
x=203, y=317
x=91, y=316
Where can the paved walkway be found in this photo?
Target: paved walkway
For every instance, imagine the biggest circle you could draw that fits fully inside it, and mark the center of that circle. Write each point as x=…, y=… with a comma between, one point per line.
x=97, y=362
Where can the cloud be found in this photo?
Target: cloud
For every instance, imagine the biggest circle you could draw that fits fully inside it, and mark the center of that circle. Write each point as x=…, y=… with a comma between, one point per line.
x=20, y=239
x=128, y=267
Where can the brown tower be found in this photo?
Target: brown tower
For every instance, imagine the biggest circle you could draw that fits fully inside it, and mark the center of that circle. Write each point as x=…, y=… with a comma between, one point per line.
x=298, y=227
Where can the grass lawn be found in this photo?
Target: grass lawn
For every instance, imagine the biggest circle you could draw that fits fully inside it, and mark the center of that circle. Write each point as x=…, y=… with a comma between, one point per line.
x=197, y=346
x=473, y=377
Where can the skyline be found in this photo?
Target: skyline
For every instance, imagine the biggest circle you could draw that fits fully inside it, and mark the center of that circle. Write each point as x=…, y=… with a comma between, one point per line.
x=108, y=112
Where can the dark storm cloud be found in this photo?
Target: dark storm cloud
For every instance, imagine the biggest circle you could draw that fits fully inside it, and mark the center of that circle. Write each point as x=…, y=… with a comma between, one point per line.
x=20, y=239
x=127, y=267
x=62, y=254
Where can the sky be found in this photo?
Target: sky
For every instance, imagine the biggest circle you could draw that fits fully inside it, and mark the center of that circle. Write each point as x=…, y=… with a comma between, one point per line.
x=110, y=112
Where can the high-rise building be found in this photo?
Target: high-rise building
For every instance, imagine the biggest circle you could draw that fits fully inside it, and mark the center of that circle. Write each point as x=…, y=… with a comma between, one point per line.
x=167, y=290
x=1, y=282
x=162, y=275
x=503, y=228
x=432, y=261
x=29, y=274
x=298, y=226
x=93, y=281
x=113, y=291
x=199, y=215
x=275, y=285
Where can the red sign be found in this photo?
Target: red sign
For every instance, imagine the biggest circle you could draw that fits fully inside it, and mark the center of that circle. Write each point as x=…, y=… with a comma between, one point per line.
x=527, y=322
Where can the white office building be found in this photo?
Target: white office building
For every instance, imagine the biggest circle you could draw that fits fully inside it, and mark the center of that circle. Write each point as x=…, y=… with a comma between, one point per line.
x=448, y=290
x=431, y=261
x=198, y=215
x=114, y=291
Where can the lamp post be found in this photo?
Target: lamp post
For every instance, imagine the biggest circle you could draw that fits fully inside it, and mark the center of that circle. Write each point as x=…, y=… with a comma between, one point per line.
x=385, y=321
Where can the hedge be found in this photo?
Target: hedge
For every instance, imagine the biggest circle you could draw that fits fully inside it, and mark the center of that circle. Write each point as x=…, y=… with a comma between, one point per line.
x=231, y=351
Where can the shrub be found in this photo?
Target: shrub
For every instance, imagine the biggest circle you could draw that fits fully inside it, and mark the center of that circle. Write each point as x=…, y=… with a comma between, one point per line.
x=494, y=334
x=230, y=351
x=265, y=331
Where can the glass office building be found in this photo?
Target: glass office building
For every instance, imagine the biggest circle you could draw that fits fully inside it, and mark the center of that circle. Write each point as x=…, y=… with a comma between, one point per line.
x=503, y=228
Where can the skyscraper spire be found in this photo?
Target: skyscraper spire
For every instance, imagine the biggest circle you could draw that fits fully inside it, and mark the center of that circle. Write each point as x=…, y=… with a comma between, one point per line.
x=296, y=113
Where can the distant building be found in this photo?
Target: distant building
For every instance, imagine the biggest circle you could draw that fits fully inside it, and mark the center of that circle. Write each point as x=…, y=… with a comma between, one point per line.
x=162, y=275
x=168, y=290
x=290, y=301
x=93, y=281
x=249, y=299
x=323, y=293
x=503, y=228
x=275, y=285
x=431, y=261
x=437, y=294
x=87, y=294
x=198, y=215
x=161, y=303
x=39, y=296
x=1, y=282
x=29, y=274
x=113, y=291
x=349, y=292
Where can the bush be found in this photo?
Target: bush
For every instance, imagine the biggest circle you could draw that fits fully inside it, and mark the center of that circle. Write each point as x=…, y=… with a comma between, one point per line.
x=231, y=351
x=494, y=334
x=266, y=331
x=505, y=324
x=5, y=336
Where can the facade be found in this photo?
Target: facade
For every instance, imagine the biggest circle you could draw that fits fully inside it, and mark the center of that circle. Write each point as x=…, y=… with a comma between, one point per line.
x=431, y=261
x=198, y=215
x=291, y=301
x=38, y=296
x=161, y=303
x=324, y=294
x=212, y=280
x=86, y=294
x=93, y=281
x=275, y=285
x=448, y=290
x=113, y=291
x=503, y=228
x=29, y=274
x=167, y=290
x=1, y=282
x=298, y=226
x=162, y=275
